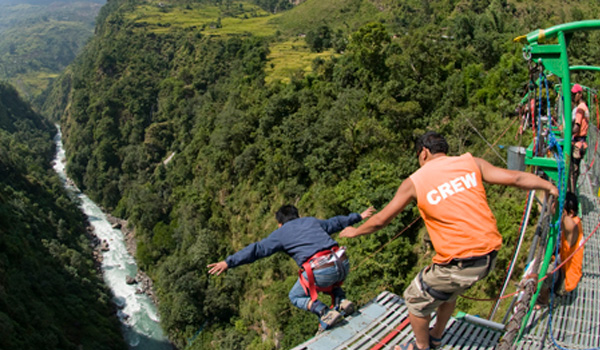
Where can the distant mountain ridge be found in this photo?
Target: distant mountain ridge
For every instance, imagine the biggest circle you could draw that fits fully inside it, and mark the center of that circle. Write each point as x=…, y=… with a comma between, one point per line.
x=38, y=39
x=47, y=2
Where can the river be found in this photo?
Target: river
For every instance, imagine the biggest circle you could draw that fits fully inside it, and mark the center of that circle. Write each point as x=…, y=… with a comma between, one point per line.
x=138, y=314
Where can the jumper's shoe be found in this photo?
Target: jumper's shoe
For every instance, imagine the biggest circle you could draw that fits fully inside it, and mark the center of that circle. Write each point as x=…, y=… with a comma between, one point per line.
x=347, y=307
x=330, y=319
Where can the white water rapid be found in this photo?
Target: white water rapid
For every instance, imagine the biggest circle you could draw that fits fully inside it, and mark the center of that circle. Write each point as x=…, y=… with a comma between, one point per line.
x=138, y=315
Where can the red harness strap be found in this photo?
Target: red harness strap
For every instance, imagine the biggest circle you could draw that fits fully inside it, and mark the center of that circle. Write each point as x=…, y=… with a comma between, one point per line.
x=308, y=284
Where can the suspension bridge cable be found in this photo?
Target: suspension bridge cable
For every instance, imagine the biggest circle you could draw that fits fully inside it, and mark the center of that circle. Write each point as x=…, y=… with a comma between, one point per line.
x=483, y=138
x=499, y=137
x=524, y=221
x=385, y=244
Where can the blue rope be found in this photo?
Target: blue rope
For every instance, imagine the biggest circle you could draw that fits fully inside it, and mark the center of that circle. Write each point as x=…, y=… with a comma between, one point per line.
x=560, y=163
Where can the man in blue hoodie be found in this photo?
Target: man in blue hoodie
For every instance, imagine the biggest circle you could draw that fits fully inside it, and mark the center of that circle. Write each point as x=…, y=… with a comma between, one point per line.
x=323, y=264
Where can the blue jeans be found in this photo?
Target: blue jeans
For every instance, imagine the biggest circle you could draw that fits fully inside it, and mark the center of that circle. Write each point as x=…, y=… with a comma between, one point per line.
x=323, y=278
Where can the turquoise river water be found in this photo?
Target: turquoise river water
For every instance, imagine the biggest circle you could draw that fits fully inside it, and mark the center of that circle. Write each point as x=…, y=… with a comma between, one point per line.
x=138, y=314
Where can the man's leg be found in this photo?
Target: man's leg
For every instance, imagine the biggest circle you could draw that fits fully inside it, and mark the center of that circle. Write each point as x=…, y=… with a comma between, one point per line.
x=577, y=155
x=345, y=306
x=301, y=300
x=420, y=326
x=444, y=312
x=420, y=305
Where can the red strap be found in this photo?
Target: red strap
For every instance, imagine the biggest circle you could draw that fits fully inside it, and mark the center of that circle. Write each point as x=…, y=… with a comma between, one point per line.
x=532, y=113
x=308, y=283
x=597, y=113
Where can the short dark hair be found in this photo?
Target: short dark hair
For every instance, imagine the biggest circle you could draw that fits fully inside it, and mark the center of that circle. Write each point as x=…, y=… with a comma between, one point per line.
x=286, y=213
x=433, y=141
x=571, y=202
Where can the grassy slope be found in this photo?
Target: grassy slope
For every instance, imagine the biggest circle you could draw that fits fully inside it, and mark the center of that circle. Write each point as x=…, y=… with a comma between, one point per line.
x=338, y=14
x=288, y=53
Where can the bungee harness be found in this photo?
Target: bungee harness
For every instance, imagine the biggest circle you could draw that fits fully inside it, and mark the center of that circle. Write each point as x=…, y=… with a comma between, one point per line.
x=333, y=256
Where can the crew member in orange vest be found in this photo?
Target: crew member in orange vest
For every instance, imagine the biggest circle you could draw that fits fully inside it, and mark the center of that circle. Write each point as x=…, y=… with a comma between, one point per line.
x=452, y=201
x=570, y=239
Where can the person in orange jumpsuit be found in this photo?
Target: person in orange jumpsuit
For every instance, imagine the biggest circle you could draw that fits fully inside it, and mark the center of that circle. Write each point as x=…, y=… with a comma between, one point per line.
x=570, y=239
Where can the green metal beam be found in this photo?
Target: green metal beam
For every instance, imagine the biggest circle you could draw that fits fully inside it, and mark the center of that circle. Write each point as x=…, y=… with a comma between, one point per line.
x=592, y=68
x=540, y=35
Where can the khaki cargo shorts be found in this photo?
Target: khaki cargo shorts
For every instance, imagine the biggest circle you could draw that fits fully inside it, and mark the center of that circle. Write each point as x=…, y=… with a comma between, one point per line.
x=445, y=282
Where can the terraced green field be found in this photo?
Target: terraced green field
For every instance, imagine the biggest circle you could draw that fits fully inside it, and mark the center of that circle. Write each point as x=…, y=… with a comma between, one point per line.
x=286, y=58
x=235, y=19
x=289, y=57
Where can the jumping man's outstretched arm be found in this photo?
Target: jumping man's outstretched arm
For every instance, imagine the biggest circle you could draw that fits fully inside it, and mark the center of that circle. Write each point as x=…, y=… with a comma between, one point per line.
x=249, y=254
x=337, y=223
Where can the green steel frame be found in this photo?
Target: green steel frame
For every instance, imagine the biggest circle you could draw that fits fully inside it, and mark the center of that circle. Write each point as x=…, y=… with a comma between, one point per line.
x=554, y=59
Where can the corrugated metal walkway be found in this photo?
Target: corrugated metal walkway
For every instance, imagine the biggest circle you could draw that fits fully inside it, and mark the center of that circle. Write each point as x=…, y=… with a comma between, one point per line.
x=383, y=322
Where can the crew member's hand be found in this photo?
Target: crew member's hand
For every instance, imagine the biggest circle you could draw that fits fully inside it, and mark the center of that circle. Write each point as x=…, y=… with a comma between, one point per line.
x=348, y=232
x=217, y=268
x=367, y=213
x=554, y=192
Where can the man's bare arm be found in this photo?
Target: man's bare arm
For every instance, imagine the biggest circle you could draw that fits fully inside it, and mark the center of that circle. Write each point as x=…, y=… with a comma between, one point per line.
x=405, y=194
x=520, y=179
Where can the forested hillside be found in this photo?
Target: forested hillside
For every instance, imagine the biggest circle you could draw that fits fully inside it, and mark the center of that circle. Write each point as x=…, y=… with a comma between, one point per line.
x=51, y=296
x=196, y=120
x=39, y=38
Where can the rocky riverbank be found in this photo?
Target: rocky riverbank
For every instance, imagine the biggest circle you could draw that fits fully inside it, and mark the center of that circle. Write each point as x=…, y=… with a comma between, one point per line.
x=141, y=279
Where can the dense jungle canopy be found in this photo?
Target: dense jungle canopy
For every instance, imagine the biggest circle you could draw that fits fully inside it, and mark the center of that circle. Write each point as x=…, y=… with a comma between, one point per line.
x=196, y=120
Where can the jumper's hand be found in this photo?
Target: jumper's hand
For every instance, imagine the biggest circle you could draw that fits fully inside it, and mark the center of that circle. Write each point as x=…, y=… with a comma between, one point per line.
x=367, y=213
x=349, y=232
x=217, y=268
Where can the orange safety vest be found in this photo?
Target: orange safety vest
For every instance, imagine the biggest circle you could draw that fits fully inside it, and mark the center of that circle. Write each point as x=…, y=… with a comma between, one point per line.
x=572, y=268
x=453, y=203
